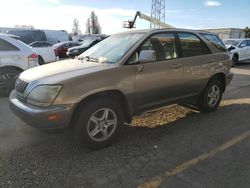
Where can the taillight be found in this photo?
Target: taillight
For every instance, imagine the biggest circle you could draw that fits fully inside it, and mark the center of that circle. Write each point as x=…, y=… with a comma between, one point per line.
x=33, y=60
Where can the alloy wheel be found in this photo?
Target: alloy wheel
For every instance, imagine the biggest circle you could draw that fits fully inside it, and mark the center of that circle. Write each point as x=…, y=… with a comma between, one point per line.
x=102, y=124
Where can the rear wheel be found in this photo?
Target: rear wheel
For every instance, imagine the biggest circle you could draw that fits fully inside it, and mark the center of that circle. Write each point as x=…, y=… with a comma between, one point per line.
x=8, y=78
x=41, y=61
x=211, y=97
x=99, y=123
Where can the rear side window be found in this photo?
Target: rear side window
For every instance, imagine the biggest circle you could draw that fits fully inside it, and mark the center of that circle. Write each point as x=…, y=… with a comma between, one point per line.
x=215, y=41
x=6, y=46
x=192, y=46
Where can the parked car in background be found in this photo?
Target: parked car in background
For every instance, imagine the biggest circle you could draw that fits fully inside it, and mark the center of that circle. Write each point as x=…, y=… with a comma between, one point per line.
x=15, y=57
x=29, y=35
x=61, y=48
x=239, y=49
x=86, y=44
x=121, y=76
x=55, y=36
x=45, y=52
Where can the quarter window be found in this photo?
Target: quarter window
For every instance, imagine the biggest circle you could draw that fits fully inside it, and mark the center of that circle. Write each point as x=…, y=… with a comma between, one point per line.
x=192, y=46
x=215, y=41
x=6, y=46
x=163, y=45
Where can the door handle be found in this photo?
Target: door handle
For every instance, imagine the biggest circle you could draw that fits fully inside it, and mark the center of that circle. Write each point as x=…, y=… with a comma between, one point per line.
x=140, y=67
x=175, y=65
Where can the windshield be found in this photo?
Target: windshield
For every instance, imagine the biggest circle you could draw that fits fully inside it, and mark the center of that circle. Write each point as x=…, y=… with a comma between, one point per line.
x=232, y=42
x=112, y=49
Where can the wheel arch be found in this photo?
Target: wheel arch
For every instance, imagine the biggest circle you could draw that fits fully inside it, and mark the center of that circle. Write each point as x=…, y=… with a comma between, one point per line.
x=221, y=77
x=11, y=67
x=113, y=94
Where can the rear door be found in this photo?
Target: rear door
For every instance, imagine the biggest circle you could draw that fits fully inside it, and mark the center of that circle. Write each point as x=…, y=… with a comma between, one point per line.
x=9, y=54
x=196, y=59
x=160, y=81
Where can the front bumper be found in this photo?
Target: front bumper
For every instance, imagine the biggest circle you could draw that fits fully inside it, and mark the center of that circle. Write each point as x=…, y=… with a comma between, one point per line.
x=54, y=117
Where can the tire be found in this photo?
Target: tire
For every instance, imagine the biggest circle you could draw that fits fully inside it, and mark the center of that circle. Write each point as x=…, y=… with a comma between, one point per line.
x=211, y=97
x=41, y=61
x=235, y=59
x=91, y=120
x=8, y=78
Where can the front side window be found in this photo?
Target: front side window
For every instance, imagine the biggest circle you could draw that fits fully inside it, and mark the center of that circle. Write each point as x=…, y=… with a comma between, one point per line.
x=232, y=42
x=163, y=45
x=243, y=43
x=192, y=46
x=248, y=42
x=215, y=41
x=6, y=46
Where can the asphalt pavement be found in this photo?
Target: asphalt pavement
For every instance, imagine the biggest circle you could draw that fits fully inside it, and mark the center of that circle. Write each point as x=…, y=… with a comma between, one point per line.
x=198, y=150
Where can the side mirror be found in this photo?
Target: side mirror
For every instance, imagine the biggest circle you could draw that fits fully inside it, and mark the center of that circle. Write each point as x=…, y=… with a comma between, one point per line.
x=147, y=56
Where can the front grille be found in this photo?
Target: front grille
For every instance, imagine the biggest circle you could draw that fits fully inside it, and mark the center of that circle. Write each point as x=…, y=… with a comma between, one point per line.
x=21, y=85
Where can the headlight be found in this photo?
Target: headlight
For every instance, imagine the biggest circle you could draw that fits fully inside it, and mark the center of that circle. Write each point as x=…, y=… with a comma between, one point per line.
x=75, y=51
x=43, y=95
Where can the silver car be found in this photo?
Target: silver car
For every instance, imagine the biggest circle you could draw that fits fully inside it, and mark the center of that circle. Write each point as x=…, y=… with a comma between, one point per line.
x=125, y=74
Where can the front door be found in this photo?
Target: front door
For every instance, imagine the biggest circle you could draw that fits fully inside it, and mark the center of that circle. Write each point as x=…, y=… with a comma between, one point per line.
x=160, y=81
x=243, y=52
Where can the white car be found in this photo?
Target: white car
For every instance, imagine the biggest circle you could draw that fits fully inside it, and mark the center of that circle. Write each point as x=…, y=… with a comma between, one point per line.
x=45, y=52
x=15, y=57
x=239, y=49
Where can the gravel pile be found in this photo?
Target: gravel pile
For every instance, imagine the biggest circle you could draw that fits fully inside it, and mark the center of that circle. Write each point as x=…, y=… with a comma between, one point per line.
x=160, y=117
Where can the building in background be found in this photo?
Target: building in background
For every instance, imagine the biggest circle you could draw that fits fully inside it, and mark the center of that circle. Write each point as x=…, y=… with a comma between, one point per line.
x=228, y=33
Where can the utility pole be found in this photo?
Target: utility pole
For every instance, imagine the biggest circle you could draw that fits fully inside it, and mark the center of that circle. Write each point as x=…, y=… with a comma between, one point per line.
x=158, y=12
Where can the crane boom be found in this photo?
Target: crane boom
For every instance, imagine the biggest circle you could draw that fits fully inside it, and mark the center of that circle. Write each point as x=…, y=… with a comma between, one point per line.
x=153, y=21
x=149, y=19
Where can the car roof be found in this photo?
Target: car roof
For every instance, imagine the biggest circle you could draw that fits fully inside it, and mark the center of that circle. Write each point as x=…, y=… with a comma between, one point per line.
x=166, y=29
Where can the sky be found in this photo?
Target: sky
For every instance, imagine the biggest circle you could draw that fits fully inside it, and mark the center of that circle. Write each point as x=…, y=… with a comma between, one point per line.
x=59, y=14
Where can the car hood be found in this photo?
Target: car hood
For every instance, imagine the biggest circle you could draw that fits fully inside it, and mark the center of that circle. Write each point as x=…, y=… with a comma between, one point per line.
x=62, y=70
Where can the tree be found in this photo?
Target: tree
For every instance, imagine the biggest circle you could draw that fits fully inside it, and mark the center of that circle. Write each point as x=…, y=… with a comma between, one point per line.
x=75, y=29
x=247, y=32
x=92, y=25
x=88, y=27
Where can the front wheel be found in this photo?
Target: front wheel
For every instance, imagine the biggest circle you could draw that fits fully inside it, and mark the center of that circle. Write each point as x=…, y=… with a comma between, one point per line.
x=235, y=60
x=99, y=123
x=211, y=97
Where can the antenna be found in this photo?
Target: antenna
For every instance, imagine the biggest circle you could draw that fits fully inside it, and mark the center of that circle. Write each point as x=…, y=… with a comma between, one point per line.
x=158, y=11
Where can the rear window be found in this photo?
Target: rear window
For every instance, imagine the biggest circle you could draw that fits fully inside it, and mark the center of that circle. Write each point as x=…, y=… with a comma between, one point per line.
x=6, y=46
x=215, y=41
x=192, y=46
